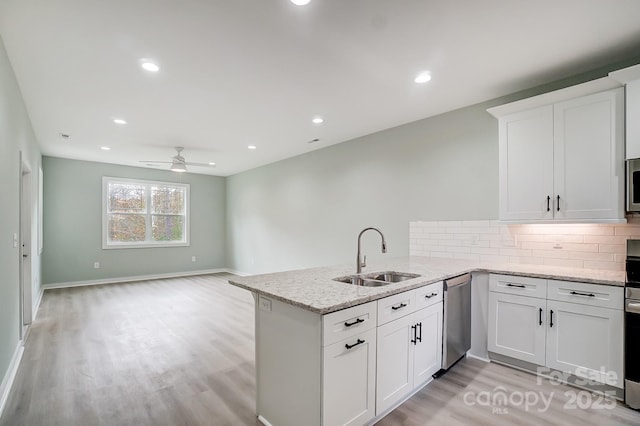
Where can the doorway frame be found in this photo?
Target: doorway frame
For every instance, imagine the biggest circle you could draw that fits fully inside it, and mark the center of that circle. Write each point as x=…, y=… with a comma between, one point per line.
x=24, y=248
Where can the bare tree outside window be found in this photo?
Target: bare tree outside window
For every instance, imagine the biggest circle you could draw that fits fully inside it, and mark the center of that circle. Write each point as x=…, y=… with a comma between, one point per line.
x=145, y=213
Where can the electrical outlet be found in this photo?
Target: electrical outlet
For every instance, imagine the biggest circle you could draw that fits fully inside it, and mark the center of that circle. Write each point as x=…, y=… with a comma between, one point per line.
x=96, y=265
x=15, y=240
x=265, y=304
x=193, y=258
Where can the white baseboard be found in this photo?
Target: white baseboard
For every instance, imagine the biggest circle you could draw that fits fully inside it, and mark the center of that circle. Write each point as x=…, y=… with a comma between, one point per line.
x=239, y=273
x=9, y=377
x=470, y=355
x=134, y=278
x=36, y=305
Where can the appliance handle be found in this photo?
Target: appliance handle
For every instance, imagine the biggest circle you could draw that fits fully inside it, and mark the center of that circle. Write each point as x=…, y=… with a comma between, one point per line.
x=632, y=307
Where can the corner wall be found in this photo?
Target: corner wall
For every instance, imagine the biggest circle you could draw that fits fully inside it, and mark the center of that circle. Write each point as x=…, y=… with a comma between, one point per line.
x=16, y=136
x=73, y=225
x=307, y=211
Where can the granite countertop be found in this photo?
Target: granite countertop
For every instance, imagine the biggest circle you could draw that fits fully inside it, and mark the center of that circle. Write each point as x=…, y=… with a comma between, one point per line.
x=314, y=289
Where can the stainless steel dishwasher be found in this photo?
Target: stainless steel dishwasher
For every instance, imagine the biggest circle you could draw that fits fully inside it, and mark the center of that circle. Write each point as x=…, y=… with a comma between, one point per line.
x=456, y=336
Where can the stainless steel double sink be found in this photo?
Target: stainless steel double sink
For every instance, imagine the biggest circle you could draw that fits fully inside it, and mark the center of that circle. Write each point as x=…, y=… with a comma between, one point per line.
x=376, y=279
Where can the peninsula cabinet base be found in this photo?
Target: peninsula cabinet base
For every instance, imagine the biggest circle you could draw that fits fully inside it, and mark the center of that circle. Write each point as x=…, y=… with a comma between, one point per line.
x=549, y=373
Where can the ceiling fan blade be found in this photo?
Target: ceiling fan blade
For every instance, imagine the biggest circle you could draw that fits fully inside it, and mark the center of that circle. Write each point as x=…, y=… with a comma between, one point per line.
x=188, y=163
x=156, y=162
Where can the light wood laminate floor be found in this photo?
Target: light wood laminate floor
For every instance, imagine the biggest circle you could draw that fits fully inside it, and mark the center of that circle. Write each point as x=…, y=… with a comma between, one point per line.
x=181, y=352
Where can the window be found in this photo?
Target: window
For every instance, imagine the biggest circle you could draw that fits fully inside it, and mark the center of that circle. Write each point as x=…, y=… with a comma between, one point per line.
x=141, y=213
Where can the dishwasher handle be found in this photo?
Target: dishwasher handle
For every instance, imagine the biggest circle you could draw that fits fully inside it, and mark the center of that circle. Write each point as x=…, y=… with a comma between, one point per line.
x=456, y=281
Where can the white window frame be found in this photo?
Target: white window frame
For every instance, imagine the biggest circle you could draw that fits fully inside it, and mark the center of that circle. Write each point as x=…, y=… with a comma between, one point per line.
x=148, y=243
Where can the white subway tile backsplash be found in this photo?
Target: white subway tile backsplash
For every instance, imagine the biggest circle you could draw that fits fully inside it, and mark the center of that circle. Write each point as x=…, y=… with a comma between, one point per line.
x=612, y=266
x=600, y=239
x=613, y=248
x=596, y=246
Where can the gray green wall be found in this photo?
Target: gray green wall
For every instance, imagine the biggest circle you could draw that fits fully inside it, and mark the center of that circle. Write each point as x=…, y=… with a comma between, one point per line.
x=73, y=224
x=307, y=211
x=16, y=135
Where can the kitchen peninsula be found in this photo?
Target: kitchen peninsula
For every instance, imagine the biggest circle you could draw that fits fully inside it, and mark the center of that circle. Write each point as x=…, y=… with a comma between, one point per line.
x=317, y=339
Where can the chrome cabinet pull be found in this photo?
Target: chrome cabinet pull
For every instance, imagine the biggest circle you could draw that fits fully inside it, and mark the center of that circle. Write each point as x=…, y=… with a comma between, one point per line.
x=540, y=321
x=551, y=316
x=429, y=296
x=548, y=201
x=516, y=285
x=402, y=305
x=558, y=203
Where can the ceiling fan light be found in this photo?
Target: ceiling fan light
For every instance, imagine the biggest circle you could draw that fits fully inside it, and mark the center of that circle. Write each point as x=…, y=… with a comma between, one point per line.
x=178, y=167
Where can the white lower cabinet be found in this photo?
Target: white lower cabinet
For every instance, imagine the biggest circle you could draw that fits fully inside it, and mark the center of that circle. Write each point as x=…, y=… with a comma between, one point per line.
x=516, y=327
x=583, y=337
x=349, y=381
x=409, y=353
x=586, y=341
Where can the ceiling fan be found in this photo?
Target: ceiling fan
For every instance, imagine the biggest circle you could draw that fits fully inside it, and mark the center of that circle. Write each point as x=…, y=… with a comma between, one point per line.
x=178, y=162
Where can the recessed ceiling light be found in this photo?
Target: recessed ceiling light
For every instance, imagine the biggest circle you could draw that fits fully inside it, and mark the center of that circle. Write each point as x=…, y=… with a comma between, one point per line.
x=212, y=163
x=119, y=121
x=423, y=77
x=105, y=148
x=318, y=120
x=300, y=2
x=314, y=140
x=252, y=147
x=150, y=66
x=64, y=136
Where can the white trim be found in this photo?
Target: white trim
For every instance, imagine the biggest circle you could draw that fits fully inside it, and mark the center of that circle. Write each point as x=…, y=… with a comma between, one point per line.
x=148, y=214
x=133, y=278
x=36, y=305
x=264, y=421
x=239, y=273
x=10, y=376
x=588, y=88
x=470, y=355
x=626, y=75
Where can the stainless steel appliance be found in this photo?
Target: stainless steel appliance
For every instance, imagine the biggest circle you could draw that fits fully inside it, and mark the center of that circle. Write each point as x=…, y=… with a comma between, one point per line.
x=456, y=338
x=633, y=185
x=632, y=326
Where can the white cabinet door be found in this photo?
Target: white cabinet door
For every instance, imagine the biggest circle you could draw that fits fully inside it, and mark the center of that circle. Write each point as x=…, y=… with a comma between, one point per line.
x=348, y=390
x=427, y=358
x=586, y=341
x=588, y=150
x=395, y=362
x=517, y=327
x=526, y=164
x=632, y=123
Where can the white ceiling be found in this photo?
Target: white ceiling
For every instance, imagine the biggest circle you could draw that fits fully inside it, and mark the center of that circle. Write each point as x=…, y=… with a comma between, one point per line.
x=240, y=72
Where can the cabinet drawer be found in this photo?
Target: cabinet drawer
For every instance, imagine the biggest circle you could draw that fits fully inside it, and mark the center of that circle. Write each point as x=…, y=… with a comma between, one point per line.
x=587, y=294
x=396, y=306
x=348, y=322
x=523, y=286
x=428, y=295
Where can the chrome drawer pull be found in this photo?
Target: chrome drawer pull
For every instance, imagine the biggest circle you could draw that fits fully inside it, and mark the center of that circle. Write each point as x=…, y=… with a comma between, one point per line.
x=516, y=285
x=429, y=296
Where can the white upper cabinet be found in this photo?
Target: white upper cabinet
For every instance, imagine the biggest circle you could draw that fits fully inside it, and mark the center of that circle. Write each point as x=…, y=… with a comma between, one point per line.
x=561, y=155
x=588, y=174
x=630, y=77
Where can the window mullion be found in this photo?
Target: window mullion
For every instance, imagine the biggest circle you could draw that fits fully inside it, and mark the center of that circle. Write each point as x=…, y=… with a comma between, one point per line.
x=148, y=214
